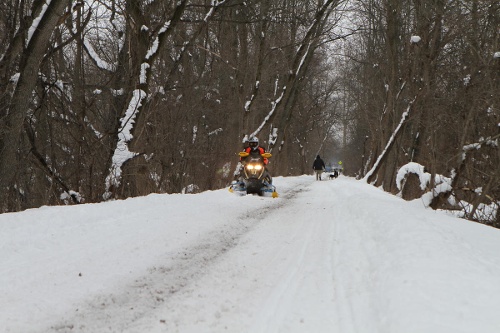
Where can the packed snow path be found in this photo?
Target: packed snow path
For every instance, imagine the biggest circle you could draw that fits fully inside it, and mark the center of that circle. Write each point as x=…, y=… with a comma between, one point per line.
x=330, y=256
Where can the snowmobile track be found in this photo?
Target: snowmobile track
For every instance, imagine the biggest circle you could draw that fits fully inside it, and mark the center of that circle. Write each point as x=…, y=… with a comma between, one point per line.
x=177, y=275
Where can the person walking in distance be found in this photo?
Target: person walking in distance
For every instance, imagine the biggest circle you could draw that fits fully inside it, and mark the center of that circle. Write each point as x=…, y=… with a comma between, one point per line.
x=318, y=167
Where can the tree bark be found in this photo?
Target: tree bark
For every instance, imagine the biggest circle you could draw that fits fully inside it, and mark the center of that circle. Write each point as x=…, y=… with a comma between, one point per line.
x=19, y=105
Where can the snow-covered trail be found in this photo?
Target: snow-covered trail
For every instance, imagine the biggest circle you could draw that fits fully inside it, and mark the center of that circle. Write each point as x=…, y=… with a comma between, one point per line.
x=279, y=277
x=268, y=269
x=329, y=256
x=401, y=268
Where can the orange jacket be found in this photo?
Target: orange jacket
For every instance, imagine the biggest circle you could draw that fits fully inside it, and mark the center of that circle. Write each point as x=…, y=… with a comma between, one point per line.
x=261, y=151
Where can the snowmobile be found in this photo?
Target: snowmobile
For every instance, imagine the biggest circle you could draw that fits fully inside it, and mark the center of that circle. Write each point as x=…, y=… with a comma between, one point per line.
x=256, y=178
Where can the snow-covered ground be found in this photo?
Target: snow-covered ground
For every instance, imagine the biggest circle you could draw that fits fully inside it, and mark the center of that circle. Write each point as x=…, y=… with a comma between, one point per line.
x=330, y=256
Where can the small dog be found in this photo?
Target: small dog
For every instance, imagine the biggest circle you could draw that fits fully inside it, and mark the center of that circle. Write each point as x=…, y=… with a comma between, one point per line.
x=333, y=175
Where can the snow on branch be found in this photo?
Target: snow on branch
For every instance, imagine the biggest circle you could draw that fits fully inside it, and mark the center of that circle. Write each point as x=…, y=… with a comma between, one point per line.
x=273, y=108
x=96, y=58
x=446, y=185
x=37, y=20
x=252, y=98
x=273, y=136
x=489, y=141
x=215, y=4
x=303, y=59
x=404, y=116
x=122, y=154
x=443, y=187
x=416, y=169
x=156, y=43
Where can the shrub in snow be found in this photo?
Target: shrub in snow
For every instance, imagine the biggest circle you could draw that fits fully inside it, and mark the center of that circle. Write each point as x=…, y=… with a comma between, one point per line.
x=191, y=189
x=71, y=197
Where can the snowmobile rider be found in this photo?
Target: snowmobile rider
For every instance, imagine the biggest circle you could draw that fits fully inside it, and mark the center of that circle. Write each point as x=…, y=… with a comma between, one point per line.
x=318, y=167
x=253, y=146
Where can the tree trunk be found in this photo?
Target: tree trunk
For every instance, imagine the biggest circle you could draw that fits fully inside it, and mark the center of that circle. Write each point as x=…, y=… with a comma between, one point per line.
x=19, y=105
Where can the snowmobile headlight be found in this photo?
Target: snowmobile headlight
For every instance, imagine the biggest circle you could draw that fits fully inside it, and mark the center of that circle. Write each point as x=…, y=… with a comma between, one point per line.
x=256, y=167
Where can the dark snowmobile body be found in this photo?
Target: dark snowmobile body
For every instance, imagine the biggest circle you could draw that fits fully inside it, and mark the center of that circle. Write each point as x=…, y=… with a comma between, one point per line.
x=256, y=178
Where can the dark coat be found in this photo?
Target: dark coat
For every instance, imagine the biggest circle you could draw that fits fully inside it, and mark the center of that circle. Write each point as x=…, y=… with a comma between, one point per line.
x=318, y=164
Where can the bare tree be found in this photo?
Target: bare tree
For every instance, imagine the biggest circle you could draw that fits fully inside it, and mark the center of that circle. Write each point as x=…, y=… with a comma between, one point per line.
x=35, y=40
x=128, y=97
x=434, y=60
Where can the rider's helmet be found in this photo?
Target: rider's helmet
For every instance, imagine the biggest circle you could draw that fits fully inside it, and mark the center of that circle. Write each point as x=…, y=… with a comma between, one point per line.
x=253, y=142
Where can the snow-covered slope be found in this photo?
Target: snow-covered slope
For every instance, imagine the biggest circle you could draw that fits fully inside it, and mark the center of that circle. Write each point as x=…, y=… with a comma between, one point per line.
x=329, y=256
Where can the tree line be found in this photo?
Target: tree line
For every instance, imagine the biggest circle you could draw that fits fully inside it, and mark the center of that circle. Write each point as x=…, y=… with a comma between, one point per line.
x=425, y=89
x=108, y=99
x=105, y=99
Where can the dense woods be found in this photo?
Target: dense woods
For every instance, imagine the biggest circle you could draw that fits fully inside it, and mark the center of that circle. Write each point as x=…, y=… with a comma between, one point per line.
x=427, y=90
x=119, y=98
